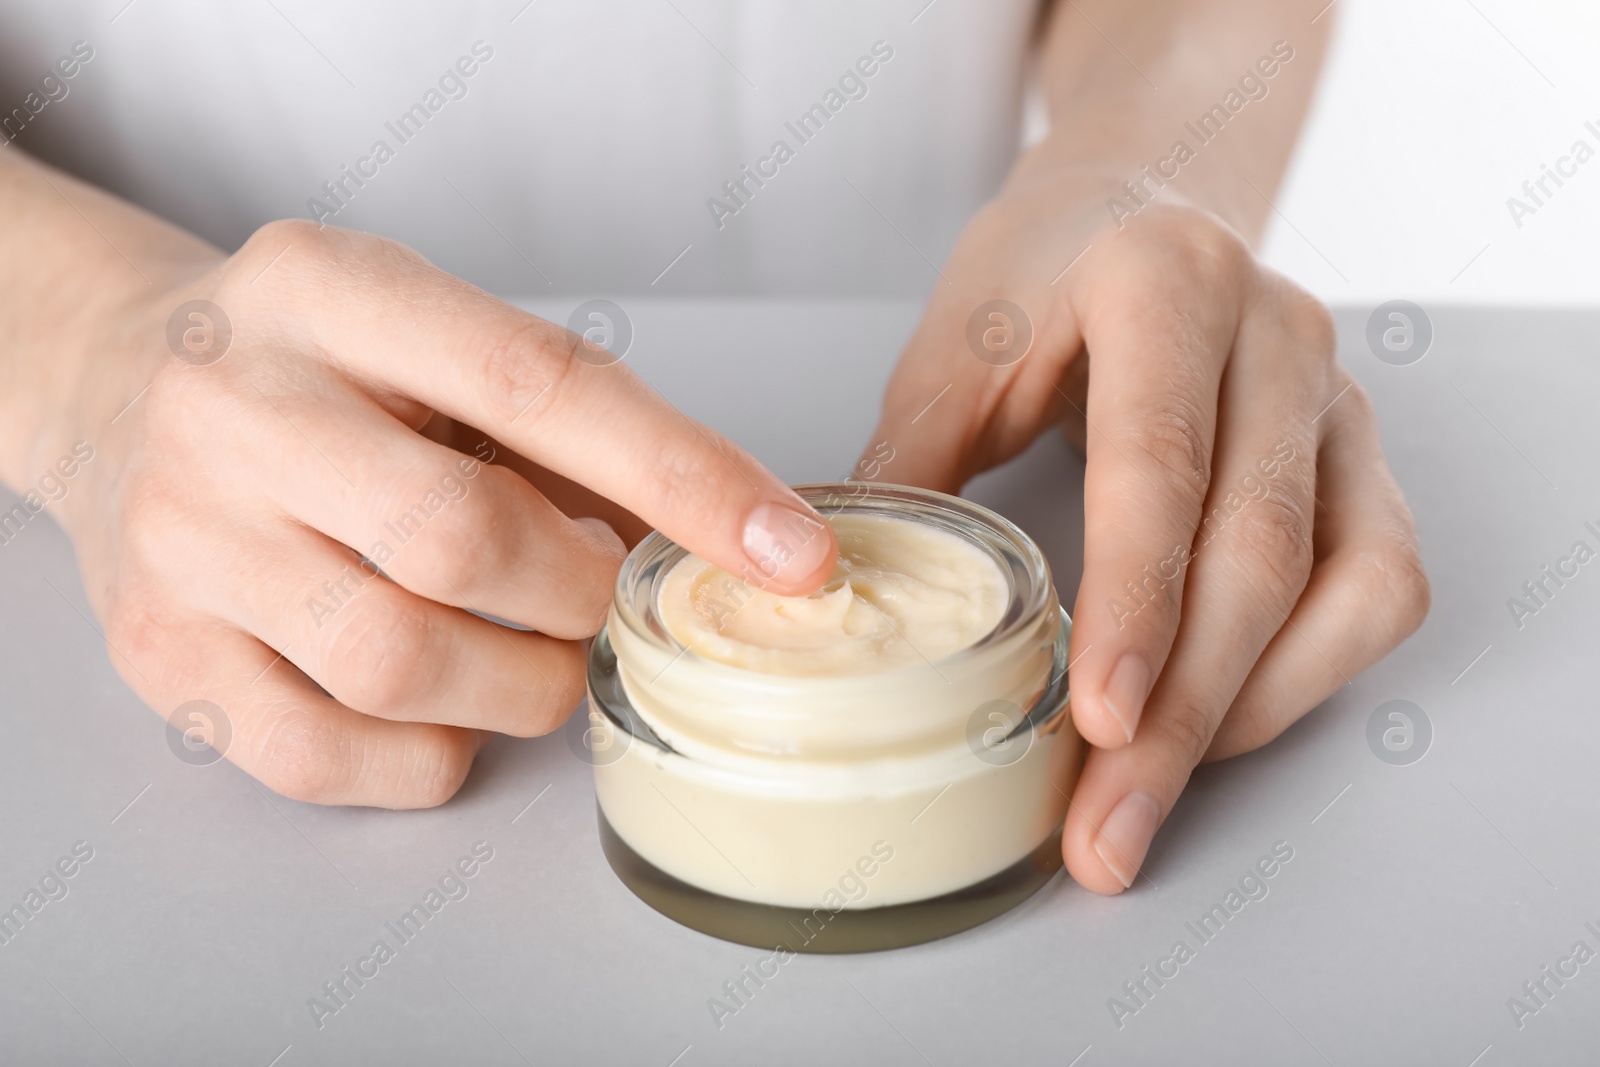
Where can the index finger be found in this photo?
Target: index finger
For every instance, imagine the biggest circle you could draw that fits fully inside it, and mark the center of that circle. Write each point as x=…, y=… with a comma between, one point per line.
x=390, y=318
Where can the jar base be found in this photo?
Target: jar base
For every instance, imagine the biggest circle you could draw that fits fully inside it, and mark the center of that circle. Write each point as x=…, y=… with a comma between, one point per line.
x=821, y=931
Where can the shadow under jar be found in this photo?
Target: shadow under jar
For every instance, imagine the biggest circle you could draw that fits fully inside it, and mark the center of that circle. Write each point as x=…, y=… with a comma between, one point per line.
x=836, y=813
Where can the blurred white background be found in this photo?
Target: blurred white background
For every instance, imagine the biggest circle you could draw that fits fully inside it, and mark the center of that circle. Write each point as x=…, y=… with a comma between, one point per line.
x=590, y=144
x=1431, y=114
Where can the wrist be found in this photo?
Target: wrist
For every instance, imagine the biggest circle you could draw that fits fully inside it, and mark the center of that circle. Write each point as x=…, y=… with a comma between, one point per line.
x=1106, y=181
x=84, y=322
x=64, y=377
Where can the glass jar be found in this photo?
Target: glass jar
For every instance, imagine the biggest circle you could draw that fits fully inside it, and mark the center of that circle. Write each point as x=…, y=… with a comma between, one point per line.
x=836, y=814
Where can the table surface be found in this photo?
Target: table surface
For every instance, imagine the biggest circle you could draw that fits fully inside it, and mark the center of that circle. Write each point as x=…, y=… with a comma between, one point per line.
x=1419, y=900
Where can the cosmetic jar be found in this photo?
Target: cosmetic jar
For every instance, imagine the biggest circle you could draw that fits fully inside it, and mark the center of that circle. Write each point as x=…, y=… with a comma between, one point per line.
x=836, y=812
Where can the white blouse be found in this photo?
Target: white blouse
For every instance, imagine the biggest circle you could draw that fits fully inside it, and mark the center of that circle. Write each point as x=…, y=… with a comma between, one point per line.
x=831, y=147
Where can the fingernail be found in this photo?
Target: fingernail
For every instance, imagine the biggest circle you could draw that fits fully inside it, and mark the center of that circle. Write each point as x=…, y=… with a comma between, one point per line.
x=785, y=543
x=1126, y=691
x=1125, y=835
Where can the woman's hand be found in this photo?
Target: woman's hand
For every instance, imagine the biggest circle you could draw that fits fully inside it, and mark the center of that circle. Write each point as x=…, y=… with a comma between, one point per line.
x=1246, y=550
x=241, y=500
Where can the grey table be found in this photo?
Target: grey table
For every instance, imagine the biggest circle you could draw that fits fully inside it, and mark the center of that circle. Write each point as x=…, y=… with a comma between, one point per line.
x=1419, y=900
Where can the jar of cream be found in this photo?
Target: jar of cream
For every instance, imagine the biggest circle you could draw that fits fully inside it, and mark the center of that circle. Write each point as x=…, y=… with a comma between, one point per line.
x=880, y=763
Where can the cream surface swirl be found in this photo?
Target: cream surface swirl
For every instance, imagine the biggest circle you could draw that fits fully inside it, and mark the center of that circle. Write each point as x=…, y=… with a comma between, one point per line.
x=902, y=594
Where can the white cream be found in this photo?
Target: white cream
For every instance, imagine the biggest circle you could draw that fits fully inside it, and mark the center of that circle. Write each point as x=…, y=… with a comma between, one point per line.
x=903, y=594
x=800, y=732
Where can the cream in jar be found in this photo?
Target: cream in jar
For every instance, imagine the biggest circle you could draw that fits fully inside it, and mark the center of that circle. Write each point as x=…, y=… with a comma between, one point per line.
x=902, y=594
x=886, y=760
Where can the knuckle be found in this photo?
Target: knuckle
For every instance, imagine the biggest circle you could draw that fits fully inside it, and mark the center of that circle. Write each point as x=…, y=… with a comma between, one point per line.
x=270, y=238
x=592, y=602
x=1194, y=243
x=311, y=243
x=1352, y=417
x=300, y=754
x=380, y=656
x=1274, y=536
x=300, y=243
x=1186, y=729
x=187, y=411
x=1170, y=433
x=137, y=633
x=471, y=532
x=304, y=258
x=153, y=530
x=560, y=689
x=692, y=478
x=132, y=629
x=175, y=400
x=1392, y=576
x=1294, y=313
x=525, y=368
x=1364, y=411
x=437, y=766
x=1310, y=322
x=1207, y=248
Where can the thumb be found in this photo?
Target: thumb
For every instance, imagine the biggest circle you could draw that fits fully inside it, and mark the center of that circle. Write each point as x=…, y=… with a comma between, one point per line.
x=971, y=390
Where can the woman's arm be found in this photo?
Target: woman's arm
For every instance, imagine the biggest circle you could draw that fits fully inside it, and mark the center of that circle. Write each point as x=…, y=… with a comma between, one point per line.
x=73, y=258
x=1246, y=550
x=233, y=442
x=1208, y=94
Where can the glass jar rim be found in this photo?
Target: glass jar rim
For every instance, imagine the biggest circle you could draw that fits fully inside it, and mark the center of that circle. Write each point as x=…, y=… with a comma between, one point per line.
x=1027, y=573
x=621, y=718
